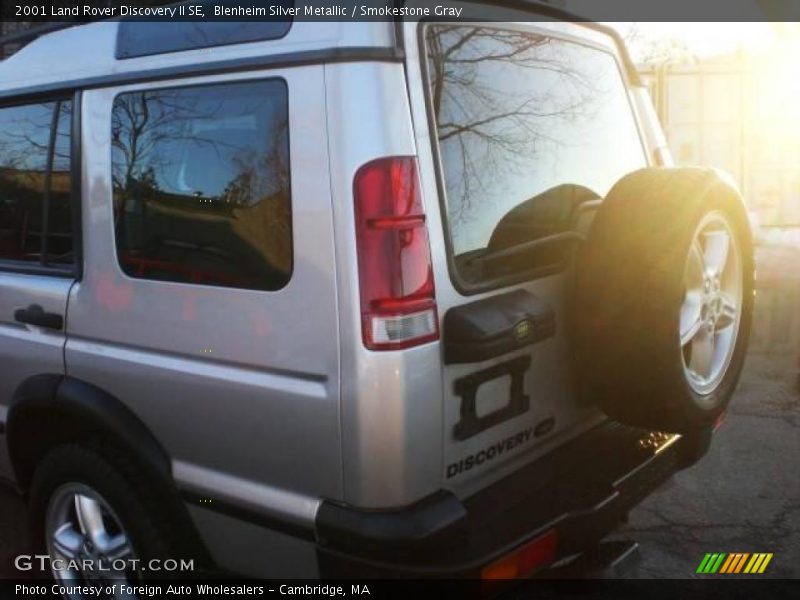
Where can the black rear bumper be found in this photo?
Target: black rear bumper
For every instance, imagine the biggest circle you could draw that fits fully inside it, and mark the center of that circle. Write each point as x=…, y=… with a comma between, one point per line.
x=583, y=490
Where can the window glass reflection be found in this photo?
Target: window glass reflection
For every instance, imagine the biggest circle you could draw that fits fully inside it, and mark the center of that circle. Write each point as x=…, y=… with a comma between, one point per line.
x=529, y=127
x=201, y=184
x=26, y=186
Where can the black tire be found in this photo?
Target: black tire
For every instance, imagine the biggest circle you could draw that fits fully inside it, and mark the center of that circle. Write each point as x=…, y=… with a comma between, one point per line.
x=629, y=289
x=144, y=508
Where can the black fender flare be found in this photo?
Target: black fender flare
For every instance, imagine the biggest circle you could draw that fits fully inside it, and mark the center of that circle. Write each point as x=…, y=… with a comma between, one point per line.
x=49, y=409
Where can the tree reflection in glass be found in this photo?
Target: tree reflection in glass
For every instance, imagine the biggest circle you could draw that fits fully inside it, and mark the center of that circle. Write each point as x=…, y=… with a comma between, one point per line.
x=201, y=184
x=524, y=121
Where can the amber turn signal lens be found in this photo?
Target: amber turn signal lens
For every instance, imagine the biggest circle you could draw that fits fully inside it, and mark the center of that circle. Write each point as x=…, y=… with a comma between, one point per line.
x=525, y=560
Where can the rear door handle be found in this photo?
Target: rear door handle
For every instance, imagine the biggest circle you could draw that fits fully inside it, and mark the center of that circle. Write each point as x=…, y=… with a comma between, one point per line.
x=35, y=315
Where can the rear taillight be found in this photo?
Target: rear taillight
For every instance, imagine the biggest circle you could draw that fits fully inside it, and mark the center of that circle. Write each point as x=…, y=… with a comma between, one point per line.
x=398, y=306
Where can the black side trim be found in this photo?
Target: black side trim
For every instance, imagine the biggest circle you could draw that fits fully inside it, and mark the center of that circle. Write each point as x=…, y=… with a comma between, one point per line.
x=244, y=514
x=291, y=59
x=350, y=528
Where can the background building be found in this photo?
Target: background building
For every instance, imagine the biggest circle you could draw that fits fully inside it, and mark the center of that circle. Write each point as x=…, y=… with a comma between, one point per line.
x=740, y=112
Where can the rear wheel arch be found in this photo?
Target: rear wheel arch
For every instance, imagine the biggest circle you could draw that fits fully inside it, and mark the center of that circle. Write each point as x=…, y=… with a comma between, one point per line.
x=49, y=410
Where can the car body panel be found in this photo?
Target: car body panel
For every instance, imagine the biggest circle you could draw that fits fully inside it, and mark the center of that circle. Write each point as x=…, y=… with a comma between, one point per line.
x=26, y=350
x=391, y=401
x=267, y=402
x=549, y=381
x=217, y=373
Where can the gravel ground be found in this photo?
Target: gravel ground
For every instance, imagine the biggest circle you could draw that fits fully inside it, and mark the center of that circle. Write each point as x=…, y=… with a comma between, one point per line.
x=744, y=496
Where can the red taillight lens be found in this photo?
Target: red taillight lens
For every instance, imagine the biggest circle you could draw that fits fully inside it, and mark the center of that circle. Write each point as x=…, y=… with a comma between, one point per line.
x=398, y=306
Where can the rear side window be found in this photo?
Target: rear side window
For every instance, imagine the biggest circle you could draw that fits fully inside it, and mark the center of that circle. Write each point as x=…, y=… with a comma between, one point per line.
x=36, y=184
x=529, y=128
x=201, y=184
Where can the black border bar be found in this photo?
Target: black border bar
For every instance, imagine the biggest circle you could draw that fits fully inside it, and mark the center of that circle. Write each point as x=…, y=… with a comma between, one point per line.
x=82, y=11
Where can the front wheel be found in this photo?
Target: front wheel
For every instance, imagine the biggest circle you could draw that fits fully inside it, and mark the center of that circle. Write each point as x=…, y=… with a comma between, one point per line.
x=99, y=517
x=81, y=526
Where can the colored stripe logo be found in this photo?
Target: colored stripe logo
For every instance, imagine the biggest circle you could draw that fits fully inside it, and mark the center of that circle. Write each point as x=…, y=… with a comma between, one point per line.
x=733, y=563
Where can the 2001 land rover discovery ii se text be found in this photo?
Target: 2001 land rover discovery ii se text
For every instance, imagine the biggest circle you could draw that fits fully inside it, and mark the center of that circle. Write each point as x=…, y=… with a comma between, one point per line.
x=334, y=298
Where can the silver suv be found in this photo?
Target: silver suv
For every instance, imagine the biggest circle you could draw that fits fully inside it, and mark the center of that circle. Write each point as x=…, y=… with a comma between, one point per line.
x=311, y=299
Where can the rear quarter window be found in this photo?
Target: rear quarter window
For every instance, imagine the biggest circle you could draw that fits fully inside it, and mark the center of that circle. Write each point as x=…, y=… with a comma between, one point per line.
x=201, y=184
x=528, y=127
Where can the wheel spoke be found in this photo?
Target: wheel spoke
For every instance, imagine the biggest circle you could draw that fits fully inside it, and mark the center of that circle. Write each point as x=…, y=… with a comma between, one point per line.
x=691, y=316
x=715, y=255
x=691, y=310
x=702, y=354
x=695, y=268
x=67, y=541
x=728, y=311
x=712, y=303
x=90, y=518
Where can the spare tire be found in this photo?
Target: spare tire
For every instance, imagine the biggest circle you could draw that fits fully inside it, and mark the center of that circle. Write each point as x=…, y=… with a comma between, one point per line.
x=663, y=298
